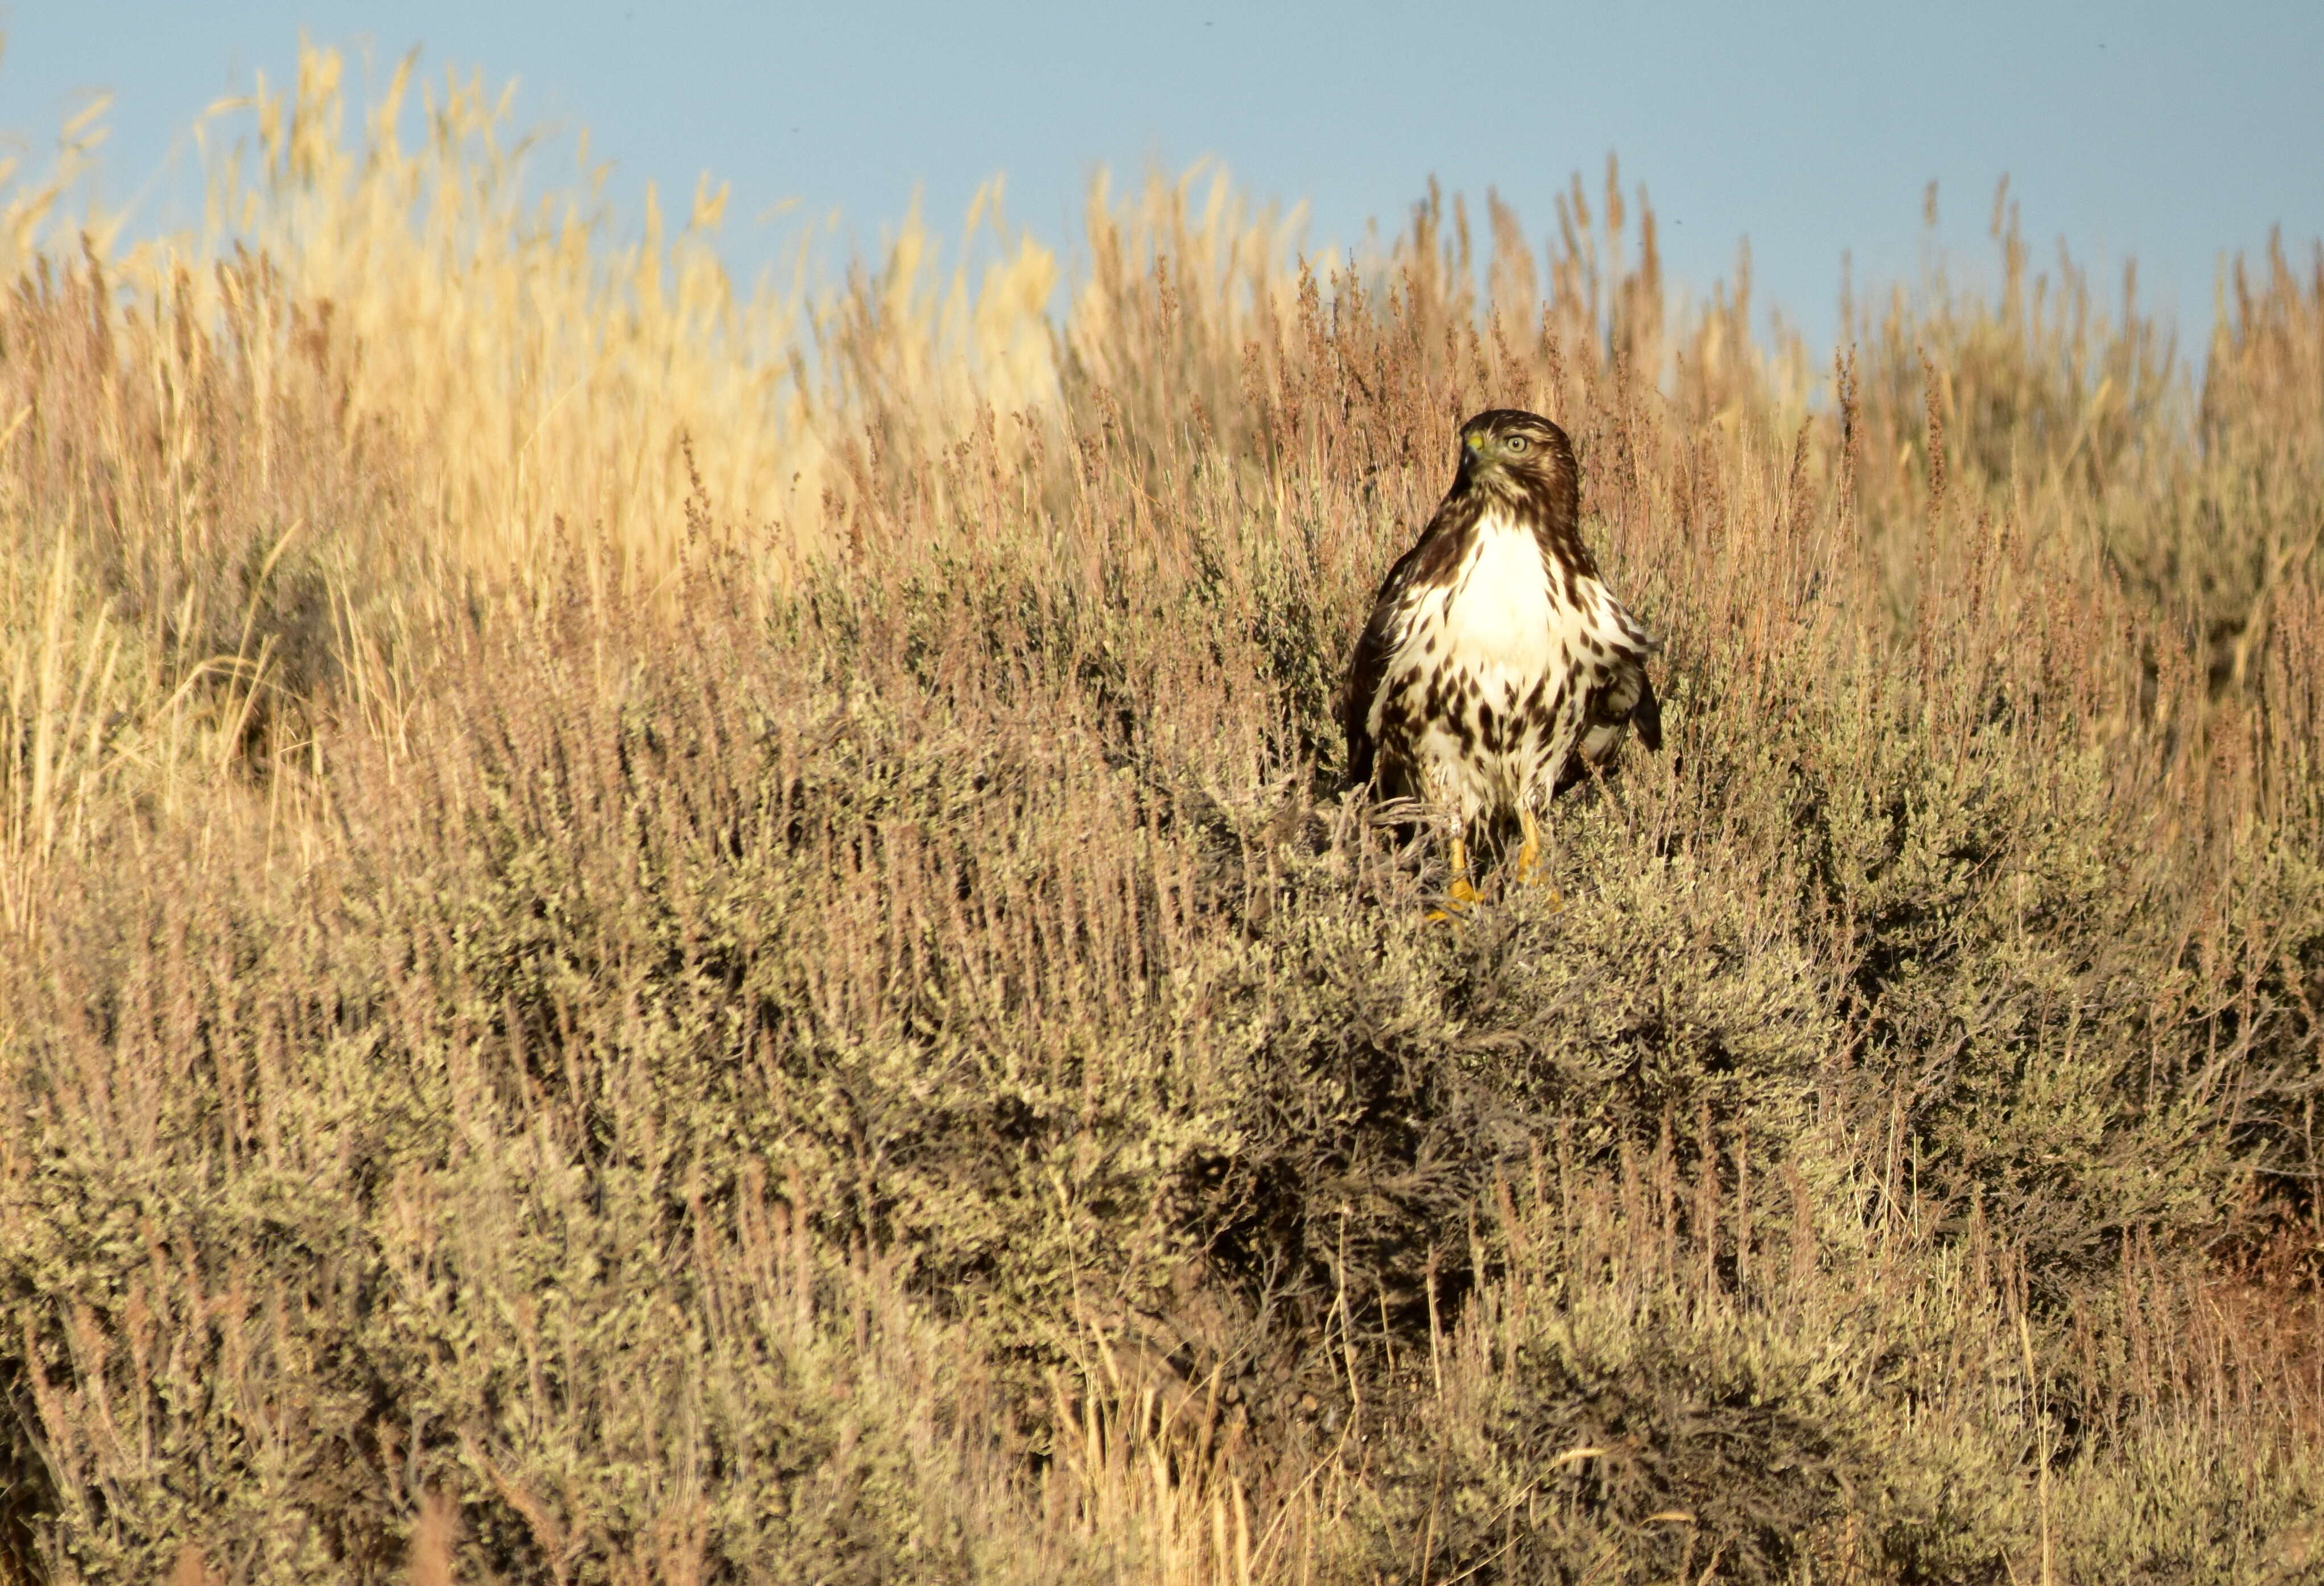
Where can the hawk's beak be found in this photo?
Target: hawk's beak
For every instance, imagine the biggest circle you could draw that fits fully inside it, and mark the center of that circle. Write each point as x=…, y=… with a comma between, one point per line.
x=1475, y=443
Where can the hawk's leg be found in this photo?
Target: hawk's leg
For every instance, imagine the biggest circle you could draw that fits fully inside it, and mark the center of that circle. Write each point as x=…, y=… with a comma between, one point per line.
x=1529, y=850
x=1462, y=895
x=1531, y=870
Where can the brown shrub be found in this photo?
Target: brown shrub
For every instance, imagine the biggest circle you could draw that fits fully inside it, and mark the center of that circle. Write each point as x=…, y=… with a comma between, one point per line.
x=579, y=1025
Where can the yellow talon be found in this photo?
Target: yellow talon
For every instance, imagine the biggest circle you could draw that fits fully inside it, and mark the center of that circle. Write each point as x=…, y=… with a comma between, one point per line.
x=1462, y=895
x=1530, y=866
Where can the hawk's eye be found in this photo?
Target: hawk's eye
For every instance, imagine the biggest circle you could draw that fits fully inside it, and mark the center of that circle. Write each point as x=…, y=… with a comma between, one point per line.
x=1517, y=443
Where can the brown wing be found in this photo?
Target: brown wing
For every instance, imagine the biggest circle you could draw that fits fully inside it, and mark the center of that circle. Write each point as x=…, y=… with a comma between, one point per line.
x=1646, y=716
x=1643, y=709
x=1369, y=669
x=1431, y=557
x=1626, y=700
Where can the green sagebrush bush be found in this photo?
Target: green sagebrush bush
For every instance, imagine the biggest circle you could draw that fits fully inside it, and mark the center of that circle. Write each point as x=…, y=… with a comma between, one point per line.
x=912, y=1069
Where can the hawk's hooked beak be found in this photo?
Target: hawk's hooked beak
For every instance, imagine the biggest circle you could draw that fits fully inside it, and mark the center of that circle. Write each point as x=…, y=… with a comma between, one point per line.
x=1474, y=444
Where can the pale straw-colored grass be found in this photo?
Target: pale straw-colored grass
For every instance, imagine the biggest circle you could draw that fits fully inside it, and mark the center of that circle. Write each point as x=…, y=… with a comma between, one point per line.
x=658, y=931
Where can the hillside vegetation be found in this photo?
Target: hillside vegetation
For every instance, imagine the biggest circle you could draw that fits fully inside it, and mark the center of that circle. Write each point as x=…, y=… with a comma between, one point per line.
x=649, y=933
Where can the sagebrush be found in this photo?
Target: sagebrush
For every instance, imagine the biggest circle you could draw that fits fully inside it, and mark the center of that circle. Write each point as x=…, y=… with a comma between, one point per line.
x=656, y=934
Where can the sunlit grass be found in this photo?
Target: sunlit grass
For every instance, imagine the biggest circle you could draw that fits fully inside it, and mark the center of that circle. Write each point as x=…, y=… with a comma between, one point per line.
x=657, y=931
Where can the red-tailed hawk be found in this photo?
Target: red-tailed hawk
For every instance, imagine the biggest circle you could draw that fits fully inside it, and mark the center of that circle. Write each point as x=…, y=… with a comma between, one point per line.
x=1497, y=664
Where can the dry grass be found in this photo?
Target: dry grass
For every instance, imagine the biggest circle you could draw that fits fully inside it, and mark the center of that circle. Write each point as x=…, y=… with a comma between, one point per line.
x=651, y=933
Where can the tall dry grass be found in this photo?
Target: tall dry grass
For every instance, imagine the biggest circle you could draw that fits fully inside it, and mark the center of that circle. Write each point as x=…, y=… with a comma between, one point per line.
x=653, y=932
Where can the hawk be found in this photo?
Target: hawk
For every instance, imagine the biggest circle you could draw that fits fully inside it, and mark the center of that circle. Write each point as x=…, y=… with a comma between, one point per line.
x=1497, y=665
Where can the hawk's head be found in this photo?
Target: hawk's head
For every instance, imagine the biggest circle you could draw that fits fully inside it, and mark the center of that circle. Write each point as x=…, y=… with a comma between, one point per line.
x=1513, y=453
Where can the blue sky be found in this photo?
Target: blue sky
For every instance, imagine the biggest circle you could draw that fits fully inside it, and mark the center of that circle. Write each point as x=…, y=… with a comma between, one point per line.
x=2172, y=132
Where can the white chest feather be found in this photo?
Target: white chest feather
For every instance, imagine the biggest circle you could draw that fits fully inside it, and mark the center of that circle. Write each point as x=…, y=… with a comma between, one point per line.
x=1499, y=616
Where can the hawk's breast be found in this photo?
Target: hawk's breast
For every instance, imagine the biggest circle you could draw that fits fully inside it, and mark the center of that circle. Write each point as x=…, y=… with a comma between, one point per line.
x=1488, y=633
x=1483, y=672
x=1500, y=610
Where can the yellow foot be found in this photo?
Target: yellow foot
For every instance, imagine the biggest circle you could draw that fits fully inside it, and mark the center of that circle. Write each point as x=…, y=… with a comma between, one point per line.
x=1533, y=873
x=1529, y=851
x=1529, y=864
x=1460, y=898
x=1531, y=870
